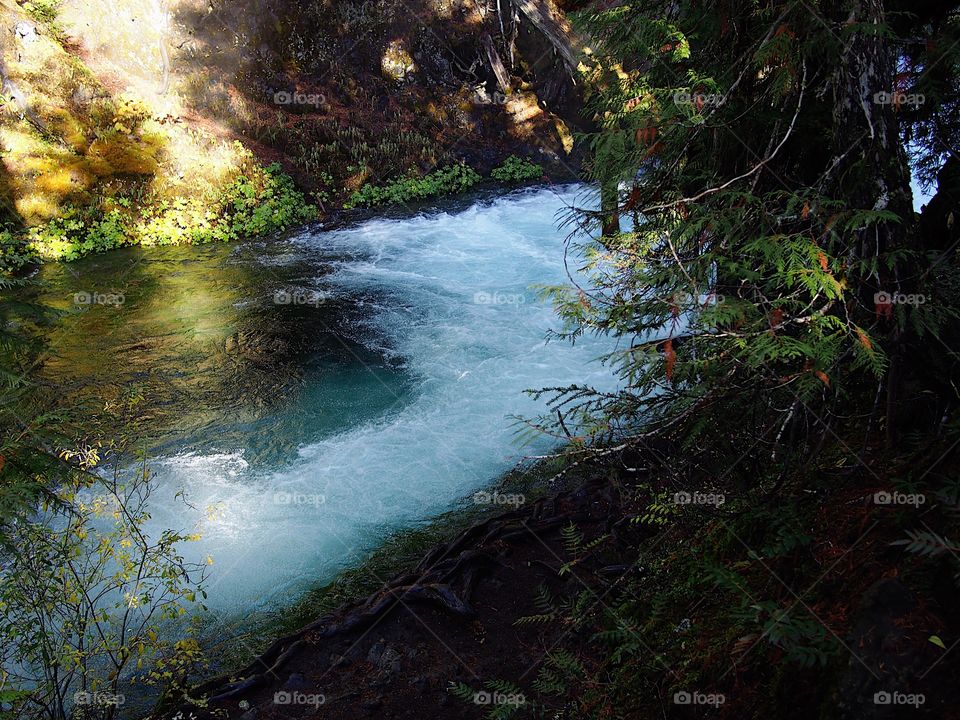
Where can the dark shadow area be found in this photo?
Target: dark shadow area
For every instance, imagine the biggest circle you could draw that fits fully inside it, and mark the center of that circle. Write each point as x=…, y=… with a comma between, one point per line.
x=353, y=92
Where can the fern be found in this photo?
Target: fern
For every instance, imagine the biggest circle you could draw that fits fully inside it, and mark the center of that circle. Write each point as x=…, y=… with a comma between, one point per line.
x=546, y=604
x=926, y=543
x=502, y=698
x=658, y=512
x=572, y=539
x=573, y=545
x=560, y=670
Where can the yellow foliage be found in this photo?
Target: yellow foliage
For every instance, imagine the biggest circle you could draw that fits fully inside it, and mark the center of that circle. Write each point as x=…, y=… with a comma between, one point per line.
x=119, y=155
x=129, y=113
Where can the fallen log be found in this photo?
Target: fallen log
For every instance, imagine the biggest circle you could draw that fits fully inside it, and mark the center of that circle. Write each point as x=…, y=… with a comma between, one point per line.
x=496, y=64
x=551, y=23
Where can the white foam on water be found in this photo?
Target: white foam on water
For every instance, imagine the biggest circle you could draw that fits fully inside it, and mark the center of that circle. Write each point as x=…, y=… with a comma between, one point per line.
x=454, y=301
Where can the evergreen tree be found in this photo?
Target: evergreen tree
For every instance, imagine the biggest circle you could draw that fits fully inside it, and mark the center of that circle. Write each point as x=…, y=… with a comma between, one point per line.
x=772, y=273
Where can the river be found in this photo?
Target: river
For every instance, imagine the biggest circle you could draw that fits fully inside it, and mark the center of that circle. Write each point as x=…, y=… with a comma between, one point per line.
x=304, y=397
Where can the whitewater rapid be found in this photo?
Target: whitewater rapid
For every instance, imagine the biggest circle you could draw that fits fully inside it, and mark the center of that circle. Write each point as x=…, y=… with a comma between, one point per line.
x=449, y=297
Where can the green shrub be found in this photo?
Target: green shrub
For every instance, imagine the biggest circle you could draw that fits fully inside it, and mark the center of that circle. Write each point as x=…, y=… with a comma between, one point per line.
x=445, y=181
x=45, y=11
x=516, y=170
x=264, y=202
x=183, y=222
x=87, y=588
x=62, y=238
x=261, y=201
x=15, y=253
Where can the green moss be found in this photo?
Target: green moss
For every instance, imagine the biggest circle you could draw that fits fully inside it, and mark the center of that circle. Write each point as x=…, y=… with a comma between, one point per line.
x=44, y=11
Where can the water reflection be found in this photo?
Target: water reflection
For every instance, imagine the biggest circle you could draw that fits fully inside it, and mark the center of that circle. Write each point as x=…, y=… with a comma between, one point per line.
x=217, y=341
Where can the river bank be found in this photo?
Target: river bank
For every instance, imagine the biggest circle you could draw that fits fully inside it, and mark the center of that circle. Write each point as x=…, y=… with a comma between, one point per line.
x=431, y=607
x=107, y=144
x=399, y=553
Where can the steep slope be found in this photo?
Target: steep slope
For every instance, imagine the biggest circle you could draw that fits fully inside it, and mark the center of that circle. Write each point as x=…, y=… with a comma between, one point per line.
x=129, y=103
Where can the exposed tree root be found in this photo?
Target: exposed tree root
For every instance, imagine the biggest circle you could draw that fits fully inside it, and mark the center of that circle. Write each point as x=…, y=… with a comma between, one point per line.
x=446, y=578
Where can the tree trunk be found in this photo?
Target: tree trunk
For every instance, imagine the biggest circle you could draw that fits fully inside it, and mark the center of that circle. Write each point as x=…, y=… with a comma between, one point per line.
x=610, y=208
x=870, y=165
x=551, y=22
